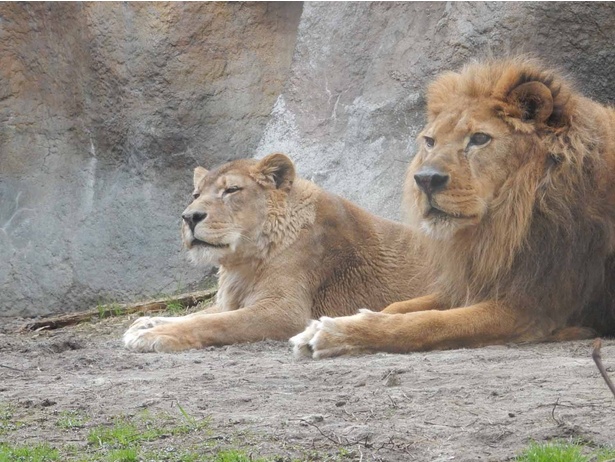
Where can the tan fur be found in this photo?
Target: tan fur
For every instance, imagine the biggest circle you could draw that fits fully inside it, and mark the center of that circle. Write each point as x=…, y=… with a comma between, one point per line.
x=288, y=252
x=519, y=230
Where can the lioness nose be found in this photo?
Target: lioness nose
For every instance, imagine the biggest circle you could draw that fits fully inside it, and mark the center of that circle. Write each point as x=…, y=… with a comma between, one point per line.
x=192, y=218
x=431, y=180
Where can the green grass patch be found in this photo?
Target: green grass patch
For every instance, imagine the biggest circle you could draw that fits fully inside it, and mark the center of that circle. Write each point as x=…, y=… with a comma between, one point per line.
x=123, y=455
x=229, y=455
x=126, y=433
x=29, y=453
x=146, y=436
x=565, y=451
x=235, y=456
x=7, y=419
x=604, y=455
x=121, y=434
x=109, y=310
x=70, y=420
x=175, y=308
x=6, y=416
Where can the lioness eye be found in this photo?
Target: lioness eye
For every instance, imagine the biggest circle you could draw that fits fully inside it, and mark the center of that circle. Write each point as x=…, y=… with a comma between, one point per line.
x=478, y=139
x=195, y=195
x=430, y=142
x=232, y=189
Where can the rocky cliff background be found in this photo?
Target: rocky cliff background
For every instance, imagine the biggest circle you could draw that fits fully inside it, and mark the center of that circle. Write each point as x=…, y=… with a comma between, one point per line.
x=105, y=108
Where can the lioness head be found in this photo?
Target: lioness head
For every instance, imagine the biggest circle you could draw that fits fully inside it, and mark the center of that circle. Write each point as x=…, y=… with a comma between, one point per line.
x=230, y=207
x=483, y=131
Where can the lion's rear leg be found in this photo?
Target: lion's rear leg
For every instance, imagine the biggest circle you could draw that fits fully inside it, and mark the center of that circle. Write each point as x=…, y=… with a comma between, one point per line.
x=572, y=333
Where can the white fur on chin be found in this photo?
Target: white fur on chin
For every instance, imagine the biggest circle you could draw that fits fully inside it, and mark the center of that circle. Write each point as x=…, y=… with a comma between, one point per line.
x=440, y=231
x=204, y=256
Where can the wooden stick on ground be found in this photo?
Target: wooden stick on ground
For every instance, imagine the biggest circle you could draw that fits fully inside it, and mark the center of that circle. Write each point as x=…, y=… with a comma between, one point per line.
x=55, y=322
x=598, y=360
x=11, y=368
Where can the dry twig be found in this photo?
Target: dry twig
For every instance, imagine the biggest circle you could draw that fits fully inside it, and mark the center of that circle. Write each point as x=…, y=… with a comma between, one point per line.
x=55, y=322
x=597, y=356
x=339, y=440
x=11, y=368
x=557, y=421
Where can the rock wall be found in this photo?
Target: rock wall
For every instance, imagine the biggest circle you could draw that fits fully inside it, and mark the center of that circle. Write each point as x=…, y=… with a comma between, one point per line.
x=106, y=108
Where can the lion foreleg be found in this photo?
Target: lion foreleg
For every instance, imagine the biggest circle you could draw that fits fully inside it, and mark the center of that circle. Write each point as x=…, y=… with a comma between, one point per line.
x=428, y=302
x=249, y=324
x=147, y=322
x=474, y=326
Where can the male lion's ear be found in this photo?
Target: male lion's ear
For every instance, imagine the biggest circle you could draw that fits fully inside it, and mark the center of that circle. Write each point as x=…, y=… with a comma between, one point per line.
x=534, y=100
x=278, y=169
x=199, y=174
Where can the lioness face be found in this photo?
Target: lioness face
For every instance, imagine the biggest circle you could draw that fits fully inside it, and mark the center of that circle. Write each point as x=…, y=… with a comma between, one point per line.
x=462, y=162
x=230, y=208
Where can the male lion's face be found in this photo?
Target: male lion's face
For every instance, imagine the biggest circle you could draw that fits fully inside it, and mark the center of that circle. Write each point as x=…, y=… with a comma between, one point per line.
x=464, y=158
x=230, y=208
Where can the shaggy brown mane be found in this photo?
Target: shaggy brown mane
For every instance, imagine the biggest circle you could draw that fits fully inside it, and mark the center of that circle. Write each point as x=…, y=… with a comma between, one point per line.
x=496, y=79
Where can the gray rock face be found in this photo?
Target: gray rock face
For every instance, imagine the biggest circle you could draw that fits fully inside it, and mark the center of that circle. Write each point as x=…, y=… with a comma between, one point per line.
x=106, y=108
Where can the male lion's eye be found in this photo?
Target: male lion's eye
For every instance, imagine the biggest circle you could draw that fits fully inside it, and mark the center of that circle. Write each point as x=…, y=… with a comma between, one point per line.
x=478, y=139
x=232, y=189
x=430, y=142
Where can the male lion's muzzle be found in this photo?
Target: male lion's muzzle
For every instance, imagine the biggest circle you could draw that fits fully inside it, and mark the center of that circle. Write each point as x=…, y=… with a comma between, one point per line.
x=431, y=180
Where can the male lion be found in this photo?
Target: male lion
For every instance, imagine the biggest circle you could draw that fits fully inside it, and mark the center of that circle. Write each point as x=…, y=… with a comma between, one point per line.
x=513, y=189
x=288, y=252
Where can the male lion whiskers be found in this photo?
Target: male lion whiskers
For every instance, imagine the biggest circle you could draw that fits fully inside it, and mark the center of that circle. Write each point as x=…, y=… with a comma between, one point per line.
x=513, y=190
x=288, y=252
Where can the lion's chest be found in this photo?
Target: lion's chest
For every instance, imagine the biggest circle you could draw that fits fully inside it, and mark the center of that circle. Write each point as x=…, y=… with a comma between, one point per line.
x=236, y=289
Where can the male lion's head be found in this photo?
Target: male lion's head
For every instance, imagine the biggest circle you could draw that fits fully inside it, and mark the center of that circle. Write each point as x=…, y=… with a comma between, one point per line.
x=482, y=140
x=230, y=208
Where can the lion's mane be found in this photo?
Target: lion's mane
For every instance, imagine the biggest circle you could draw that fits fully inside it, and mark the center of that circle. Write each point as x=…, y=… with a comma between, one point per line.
x=547, y=243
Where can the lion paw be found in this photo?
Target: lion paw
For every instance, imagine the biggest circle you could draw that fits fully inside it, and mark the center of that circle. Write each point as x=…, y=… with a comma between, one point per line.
x=147, y=322
x=143, y=340
x=301, y=342
x=328, y=337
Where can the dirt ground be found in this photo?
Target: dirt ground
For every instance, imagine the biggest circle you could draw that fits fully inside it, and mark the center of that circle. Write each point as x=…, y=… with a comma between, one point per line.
x=464, y=405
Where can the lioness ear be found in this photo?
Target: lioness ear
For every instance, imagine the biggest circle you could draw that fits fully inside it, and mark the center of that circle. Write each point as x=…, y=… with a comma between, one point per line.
x=199, y=174
x=534, y=100
x=278, y=169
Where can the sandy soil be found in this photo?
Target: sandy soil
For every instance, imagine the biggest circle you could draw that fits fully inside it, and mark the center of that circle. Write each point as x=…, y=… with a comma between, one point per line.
x=463, y=405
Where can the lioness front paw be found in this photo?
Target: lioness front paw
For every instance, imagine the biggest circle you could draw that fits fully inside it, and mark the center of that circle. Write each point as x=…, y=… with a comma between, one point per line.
x=301, y=342
x=145, y=340
x=147, y=322
x=330, y=337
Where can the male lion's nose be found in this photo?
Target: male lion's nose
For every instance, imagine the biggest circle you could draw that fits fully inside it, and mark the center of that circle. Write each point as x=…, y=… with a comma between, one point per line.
x=431, y=180
x=192, y=218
